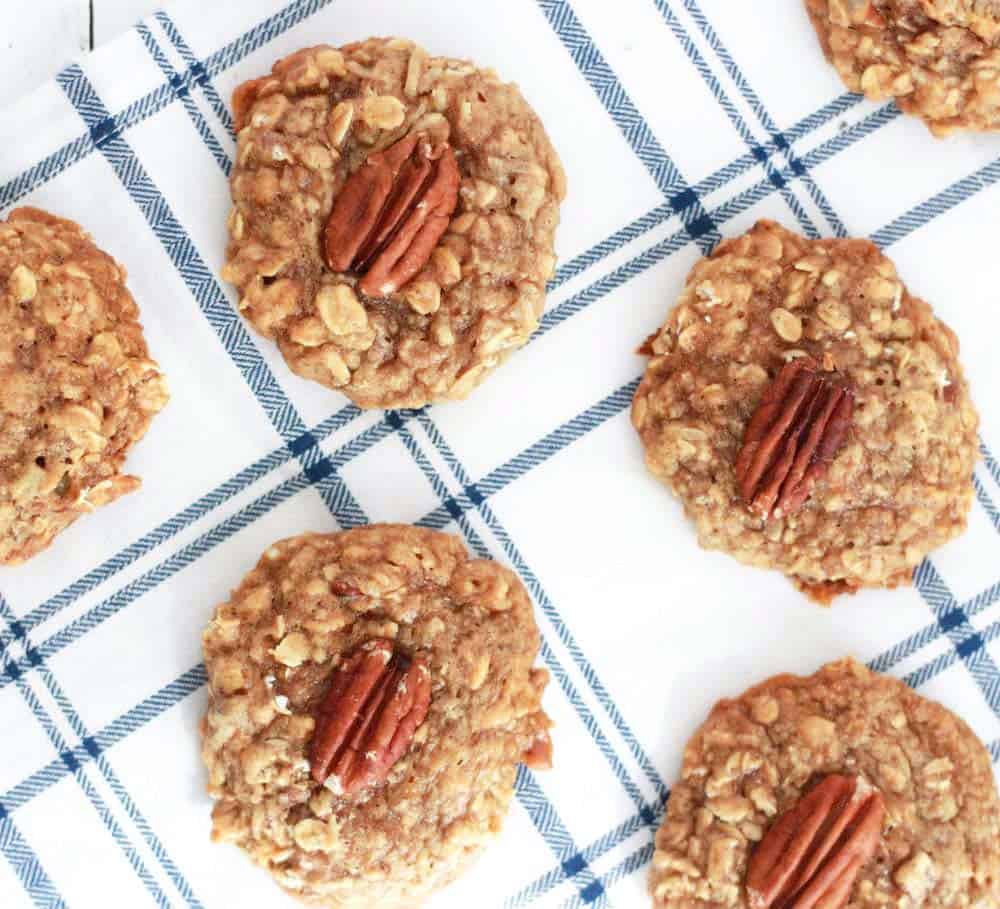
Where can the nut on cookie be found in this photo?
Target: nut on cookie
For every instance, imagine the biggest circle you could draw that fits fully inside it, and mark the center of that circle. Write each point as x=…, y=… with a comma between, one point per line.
x=841, y=789
x=371, y=693
x=393, y=219
x=77, y=386
x=810, y=414
x=937, y=59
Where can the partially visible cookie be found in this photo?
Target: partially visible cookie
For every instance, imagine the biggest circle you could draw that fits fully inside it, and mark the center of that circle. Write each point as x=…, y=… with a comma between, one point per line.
x=938, y=59
x=371, y=694
x=810, y=414
x=840, y=789
x=393, y=219
x=77, y=385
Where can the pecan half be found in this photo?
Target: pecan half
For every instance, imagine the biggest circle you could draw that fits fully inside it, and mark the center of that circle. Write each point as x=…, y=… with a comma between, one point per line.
x=377, y=699
x=796, y=431
x=813, y=853
x=391, y=212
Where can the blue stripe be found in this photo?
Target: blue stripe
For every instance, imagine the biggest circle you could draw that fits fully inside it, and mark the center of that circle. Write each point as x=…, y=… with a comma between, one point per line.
x=954, y=622
x=180, y=86
x=205, y=289
x=634, y=128
x=265, y=31
x=759, y=152
x=991, y=464
x=584, y=666
x=201, y=76
x=535, y=454
x=60, y=745
x=638, y=859
x=541, y=811
x=778, y=140
x=729, y=209
x=556, y=836
x=982, y=496
x=26, y=865
x=726, y=174
x=546, y=882
x=49, y=167
x=183, y=519
x=121, y=793
x=938, y=204
x=188, y=554
x=153, y=102
x=181, y=251
x=134, y=719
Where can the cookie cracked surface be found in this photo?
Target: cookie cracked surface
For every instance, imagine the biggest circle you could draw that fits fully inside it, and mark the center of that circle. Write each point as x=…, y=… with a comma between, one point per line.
x=292, y=646
x=77, y=385
x=474, y=285
x=899, y=483
x=938, y=59
x=757, y=757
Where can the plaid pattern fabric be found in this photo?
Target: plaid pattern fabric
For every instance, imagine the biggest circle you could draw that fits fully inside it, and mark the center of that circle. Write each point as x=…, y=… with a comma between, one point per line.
x=679, y=122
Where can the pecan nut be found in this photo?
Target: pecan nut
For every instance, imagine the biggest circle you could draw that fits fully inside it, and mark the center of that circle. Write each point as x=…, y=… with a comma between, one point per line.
x=376, y=700
x=796, y=431
x=391, y=213
x=812, y=855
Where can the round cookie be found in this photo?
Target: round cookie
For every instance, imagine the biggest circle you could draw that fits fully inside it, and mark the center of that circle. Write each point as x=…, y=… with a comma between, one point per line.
x=393, y=221
x=343, y=814
x=938, y=59
x=77, y=386
x=897, y=484
x=758, y=758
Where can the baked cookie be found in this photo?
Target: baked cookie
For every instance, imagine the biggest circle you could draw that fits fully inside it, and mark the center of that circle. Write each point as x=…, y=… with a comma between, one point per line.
x=77, y=386
x=371, y=694
x=393, y=219
x=840, y=789
x=810, y=414
x=938, y=59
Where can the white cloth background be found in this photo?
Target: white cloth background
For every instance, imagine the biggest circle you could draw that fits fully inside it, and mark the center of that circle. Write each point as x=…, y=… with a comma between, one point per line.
x=679, y=122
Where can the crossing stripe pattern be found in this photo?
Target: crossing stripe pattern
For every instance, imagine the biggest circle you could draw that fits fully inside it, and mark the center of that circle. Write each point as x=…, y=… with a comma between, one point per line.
x=324, y=460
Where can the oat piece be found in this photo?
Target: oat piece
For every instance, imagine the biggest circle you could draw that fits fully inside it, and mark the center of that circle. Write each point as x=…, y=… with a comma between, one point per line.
x=387, y=664
x=77, y=386
x=393, y=219
x=877, y=498
x=938, y=59
x=763, y=755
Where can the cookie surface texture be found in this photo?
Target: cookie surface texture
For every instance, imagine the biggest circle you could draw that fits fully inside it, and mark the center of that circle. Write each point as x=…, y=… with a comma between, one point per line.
x=393, y=219
x=937, y=59
x=371, y=693
x=768, y=754
x=77, y=386
x=871, y=491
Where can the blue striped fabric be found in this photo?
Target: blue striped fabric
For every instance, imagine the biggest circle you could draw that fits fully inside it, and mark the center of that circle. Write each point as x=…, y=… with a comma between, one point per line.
x=641, y=632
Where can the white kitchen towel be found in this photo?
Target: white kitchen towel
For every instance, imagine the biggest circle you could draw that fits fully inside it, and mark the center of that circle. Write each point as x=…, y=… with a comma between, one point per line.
x=679, y=122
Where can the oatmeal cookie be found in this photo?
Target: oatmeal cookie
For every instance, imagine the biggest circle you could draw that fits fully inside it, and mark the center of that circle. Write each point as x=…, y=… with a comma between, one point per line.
x=810, y=413
x=393, y=219
x=77, y=386
x=938, y=59
x=844, y=787
x=371, y=694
